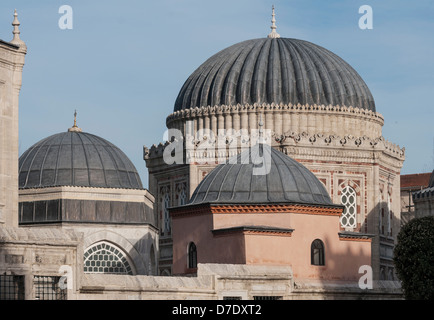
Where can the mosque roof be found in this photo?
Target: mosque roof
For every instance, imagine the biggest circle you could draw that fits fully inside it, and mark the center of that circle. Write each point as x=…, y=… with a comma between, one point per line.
x=261, y=174
x=76, y=158
x=274, y=69
x=279, y=70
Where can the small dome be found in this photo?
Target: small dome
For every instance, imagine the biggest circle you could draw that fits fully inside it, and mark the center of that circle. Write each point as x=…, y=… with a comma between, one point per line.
x=76, y=158
x=239, y=181
x=279, y=70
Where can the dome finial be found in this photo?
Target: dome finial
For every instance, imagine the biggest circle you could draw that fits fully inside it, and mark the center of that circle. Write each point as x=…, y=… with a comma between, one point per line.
x=74, y=127
x=273, y=33
x=16, y=32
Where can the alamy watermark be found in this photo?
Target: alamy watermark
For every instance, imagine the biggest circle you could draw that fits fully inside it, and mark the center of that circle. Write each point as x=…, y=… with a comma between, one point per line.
x=366, y=21
x=365, y=281
x=205, y=146
x=65, y=281
x=66, y=20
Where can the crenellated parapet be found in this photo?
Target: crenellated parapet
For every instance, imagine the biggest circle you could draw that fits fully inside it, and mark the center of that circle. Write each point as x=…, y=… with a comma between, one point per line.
x=335, y=141
x=318, y=144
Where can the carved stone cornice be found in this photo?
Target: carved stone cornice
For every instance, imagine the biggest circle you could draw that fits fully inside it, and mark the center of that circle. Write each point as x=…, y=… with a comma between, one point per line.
x=261, y=108
x=253, y=230
x=355, y=236
x=333, y=210
x=302, y=144
x=348, y=142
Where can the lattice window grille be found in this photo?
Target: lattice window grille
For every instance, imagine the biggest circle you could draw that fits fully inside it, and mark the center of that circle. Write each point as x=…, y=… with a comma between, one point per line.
x=48, y=288
x=232, y=298
x=11, y=287
x=267, y=297
x=106, y=258
x=349, y=216
x=166, y=205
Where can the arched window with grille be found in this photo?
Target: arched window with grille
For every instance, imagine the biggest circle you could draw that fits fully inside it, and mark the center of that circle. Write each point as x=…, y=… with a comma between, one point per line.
x=192, y=255
x=165, y=204
x=182, y=197
x=181, y=189
x=349, y=201
x=105, y=257
x=317, y=254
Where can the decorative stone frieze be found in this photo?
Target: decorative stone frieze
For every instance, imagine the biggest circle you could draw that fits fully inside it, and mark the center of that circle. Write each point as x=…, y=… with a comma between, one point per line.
x=331, y=120
x=324, y=145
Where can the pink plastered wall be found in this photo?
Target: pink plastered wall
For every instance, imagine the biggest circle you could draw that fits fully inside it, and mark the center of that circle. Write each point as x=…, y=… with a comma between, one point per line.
x=342, y=257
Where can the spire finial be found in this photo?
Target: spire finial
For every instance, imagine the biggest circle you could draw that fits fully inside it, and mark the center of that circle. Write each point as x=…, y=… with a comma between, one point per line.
x=75, y=118
x=75, y=128
x=273, y=33
x=16, y=32
x=16, y=25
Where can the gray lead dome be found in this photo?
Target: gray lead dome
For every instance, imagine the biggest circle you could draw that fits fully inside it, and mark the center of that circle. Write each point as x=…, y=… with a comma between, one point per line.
x=76, y=159
x=280, y=70
x=236, y=181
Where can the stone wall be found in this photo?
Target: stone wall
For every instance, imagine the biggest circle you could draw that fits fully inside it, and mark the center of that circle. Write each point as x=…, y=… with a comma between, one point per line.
x=217, y=281
x=424, y=202
x=11, y=67
x=122, y=217
x=33, y=253
x=42, y=252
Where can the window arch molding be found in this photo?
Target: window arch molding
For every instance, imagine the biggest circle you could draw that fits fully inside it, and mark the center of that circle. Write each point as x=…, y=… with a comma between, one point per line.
x=191, y=255
x=119, y=241
x=317, y=253
x=107, y=257
x=181, y=193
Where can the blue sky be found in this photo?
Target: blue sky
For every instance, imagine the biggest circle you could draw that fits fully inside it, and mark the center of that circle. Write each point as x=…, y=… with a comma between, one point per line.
x=124, y=62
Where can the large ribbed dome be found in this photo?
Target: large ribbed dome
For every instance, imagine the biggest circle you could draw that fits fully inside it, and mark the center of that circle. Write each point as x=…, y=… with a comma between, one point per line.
x=279, y=70
x=76, y=159
x=241, y=181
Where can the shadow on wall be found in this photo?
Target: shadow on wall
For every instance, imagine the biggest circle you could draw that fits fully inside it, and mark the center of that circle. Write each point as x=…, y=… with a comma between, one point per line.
x=382, y=227
x=341, y=263
x=145, y=253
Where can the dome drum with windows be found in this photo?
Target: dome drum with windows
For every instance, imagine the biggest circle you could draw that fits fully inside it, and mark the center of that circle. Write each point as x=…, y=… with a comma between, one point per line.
x=91, y=181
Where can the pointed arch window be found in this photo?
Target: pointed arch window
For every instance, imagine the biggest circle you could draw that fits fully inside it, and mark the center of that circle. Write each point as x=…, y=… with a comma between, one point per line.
x=317, y=254
x=192, y=255
x=182, y=197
